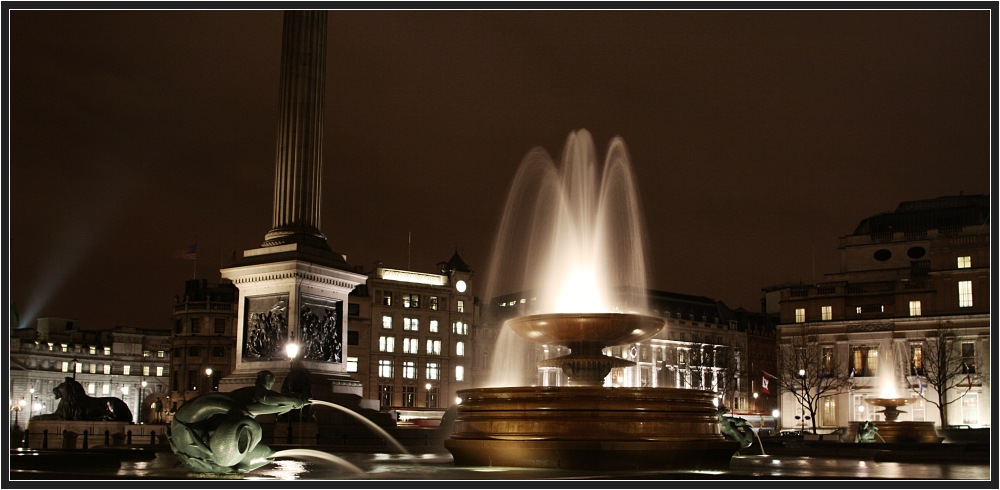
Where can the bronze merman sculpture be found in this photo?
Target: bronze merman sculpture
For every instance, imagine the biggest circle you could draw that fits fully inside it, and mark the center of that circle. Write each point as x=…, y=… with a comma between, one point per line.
x=217, y=433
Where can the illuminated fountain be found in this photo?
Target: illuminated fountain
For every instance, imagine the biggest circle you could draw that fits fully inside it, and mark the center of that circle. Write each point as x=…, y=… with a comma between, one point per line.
x=889, y=400
x=576, y=243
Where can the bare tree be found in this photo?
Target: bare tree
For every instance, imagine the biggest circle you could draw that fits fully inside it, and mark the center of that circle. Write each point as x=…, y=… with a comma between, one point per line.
x=941, y=372
x=729, y=361
x=810, y=372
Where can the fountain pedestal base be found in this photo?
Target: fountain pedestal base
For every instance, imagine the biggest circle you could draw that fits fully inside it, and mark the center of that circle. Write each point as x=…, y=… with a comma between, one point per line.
x=584, y=427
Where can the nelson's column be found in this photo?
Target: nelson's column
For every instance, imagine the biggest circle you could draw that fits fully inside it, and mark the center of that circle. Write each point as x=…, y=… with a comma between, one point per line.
x=293, y=288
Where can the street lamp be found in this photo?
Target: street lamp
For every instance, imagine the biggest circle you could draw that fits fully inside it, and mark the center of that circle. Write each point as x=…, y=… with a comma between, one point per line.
x=75, y=361
x=208, y=377
x=17, y=411
x=142, y=391
x=292, y=350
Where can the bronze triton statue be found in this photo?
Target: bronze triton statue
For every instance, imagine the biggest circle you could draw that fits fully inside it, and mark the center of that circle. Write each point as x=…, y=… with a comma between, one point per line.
x=217, y=433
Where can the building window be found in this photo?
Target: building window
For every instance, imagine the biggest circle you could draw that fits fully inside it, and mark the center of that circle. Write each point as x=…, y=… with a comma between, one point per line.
x=828, y=359
x=864, y=360
x=385, y=368
x=161, y=354
x=826, y=312
x=195, y=325
x=387, y=298
x=194, y=351
x=79, y=367
x=434, y=302
x=461, y=306
x=409, y=370
x=220, y=326
x=829, y=410
x=352, y=364
x=65, y=366
x=159, y=370
x=92, y=350
x=107, y=351
x=178, y=326
x=387, y=322
x=93, y=368
x=353, y=309
x=459, y=348
x=970, y=408
x=352, y=337
x=459, y=373
x=91, y=388
x=126, y=370
x=385, y=395
x=433, y=326
x=64, y=347
x=914, y=308
x=51, y=346
x=968, y=358
x=409, y=396
x=145, y=370
x=964, y=262
x=800, y=315
x=433, y=370
x=386, y=344
x=433, y=347
x=410, y=345
x=411, y=324
x=916, y=360
x=107, y=369
x=411, y=301
x=460, y=328
x=964, y=294
x=432, y=397
x=106, y=389
x=218, y=351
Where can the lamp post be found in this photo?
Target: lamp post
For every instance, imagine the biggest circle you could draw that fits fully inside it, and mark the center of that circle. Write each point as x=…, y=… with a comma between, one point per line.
x=208, y=378
x=805, y=392
x=75, y=362
x=292, y=350
x=142, y=391
x=17, y=411
x=31, y=407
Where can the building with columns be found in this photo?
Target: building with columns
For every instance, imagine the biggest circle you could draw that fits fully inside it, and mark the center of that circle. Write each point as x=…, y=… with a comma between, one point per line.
x=910, y=280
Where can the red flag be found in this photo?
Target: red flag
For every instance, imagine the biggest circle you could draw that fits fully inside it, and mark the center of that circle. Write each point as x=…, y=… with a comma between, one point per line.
x=765, y=382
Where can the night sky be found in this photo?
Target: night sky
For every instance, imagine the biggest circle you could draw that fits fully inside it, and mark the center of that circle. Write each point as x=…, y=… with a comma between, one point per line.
x=759, y=138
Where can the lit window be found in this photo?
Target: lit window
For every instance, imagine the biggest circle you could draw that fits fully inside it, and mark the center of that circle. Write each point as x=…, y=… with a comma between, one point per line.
x=107, y=369
x=433, y=327
x=93, y=368
x=387, y=298
x=51, y=346
x=434, y=347
x=147, y=353
x=124, y=390
x=65, y=348
x=410, y=346
x=387, y=322
x=434, y=302
x=433, y=371
x=964, y=293
x=459, y=348
x=65, y=366
x=964, y=262
x=460, y=328
x=107, y=351
x=160, y=353
x=384, y=368
x=159, y=370
x=461, y=306
x=409, y=370
x=914, y=308
x=459, y=373
x=827, y=312
x=91, y=388
x=800, y=315
x=411, y=324
x=126, y=370
x=387, y=344
x=352, y=364
x=93, y=350
x=411, y=301
x=145, y=370
x=79, y=367
x=106, y=389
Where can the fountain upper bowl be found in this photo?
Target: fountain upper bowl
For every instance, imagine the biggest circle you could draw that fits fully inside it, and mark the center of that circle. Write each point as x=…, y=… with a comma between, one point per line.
x=890, y=402
x=570, y=329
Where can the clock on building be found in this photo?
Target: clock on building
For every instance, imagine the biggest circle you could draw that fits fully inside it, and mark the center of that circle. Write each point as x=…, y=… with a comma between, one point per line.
x=460, y=286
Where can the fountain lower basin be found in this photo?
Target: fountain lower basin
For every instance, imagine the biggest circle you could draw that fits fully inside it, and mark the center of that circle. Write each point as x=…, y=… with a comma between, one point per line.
x=589, y=427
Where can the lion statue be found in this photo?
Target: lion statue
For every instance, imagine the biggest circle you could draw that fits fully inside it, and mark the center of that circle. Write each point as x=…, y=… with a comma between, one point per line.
x=76, y=404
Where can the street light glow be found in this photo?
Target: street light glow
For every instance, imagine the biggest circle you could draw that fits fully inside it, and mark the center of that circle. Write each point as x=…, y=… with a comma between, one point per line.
x=292, y=349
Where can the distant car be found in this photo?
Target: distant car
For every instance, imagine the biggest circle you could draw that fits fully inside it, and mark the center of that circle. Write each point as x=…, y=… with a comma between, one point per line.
x=790, y=433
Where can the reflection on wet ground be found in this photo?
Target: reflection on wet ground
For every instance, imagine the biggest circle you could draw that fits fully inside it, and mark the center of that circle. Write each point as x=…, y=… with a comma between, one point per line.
x=440, y=467
x=385, y=466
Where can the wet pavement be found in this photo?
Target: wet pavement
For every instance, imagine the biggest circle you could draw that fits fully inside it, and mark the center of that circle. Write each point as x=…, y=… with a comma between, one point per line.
x=435, y=466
